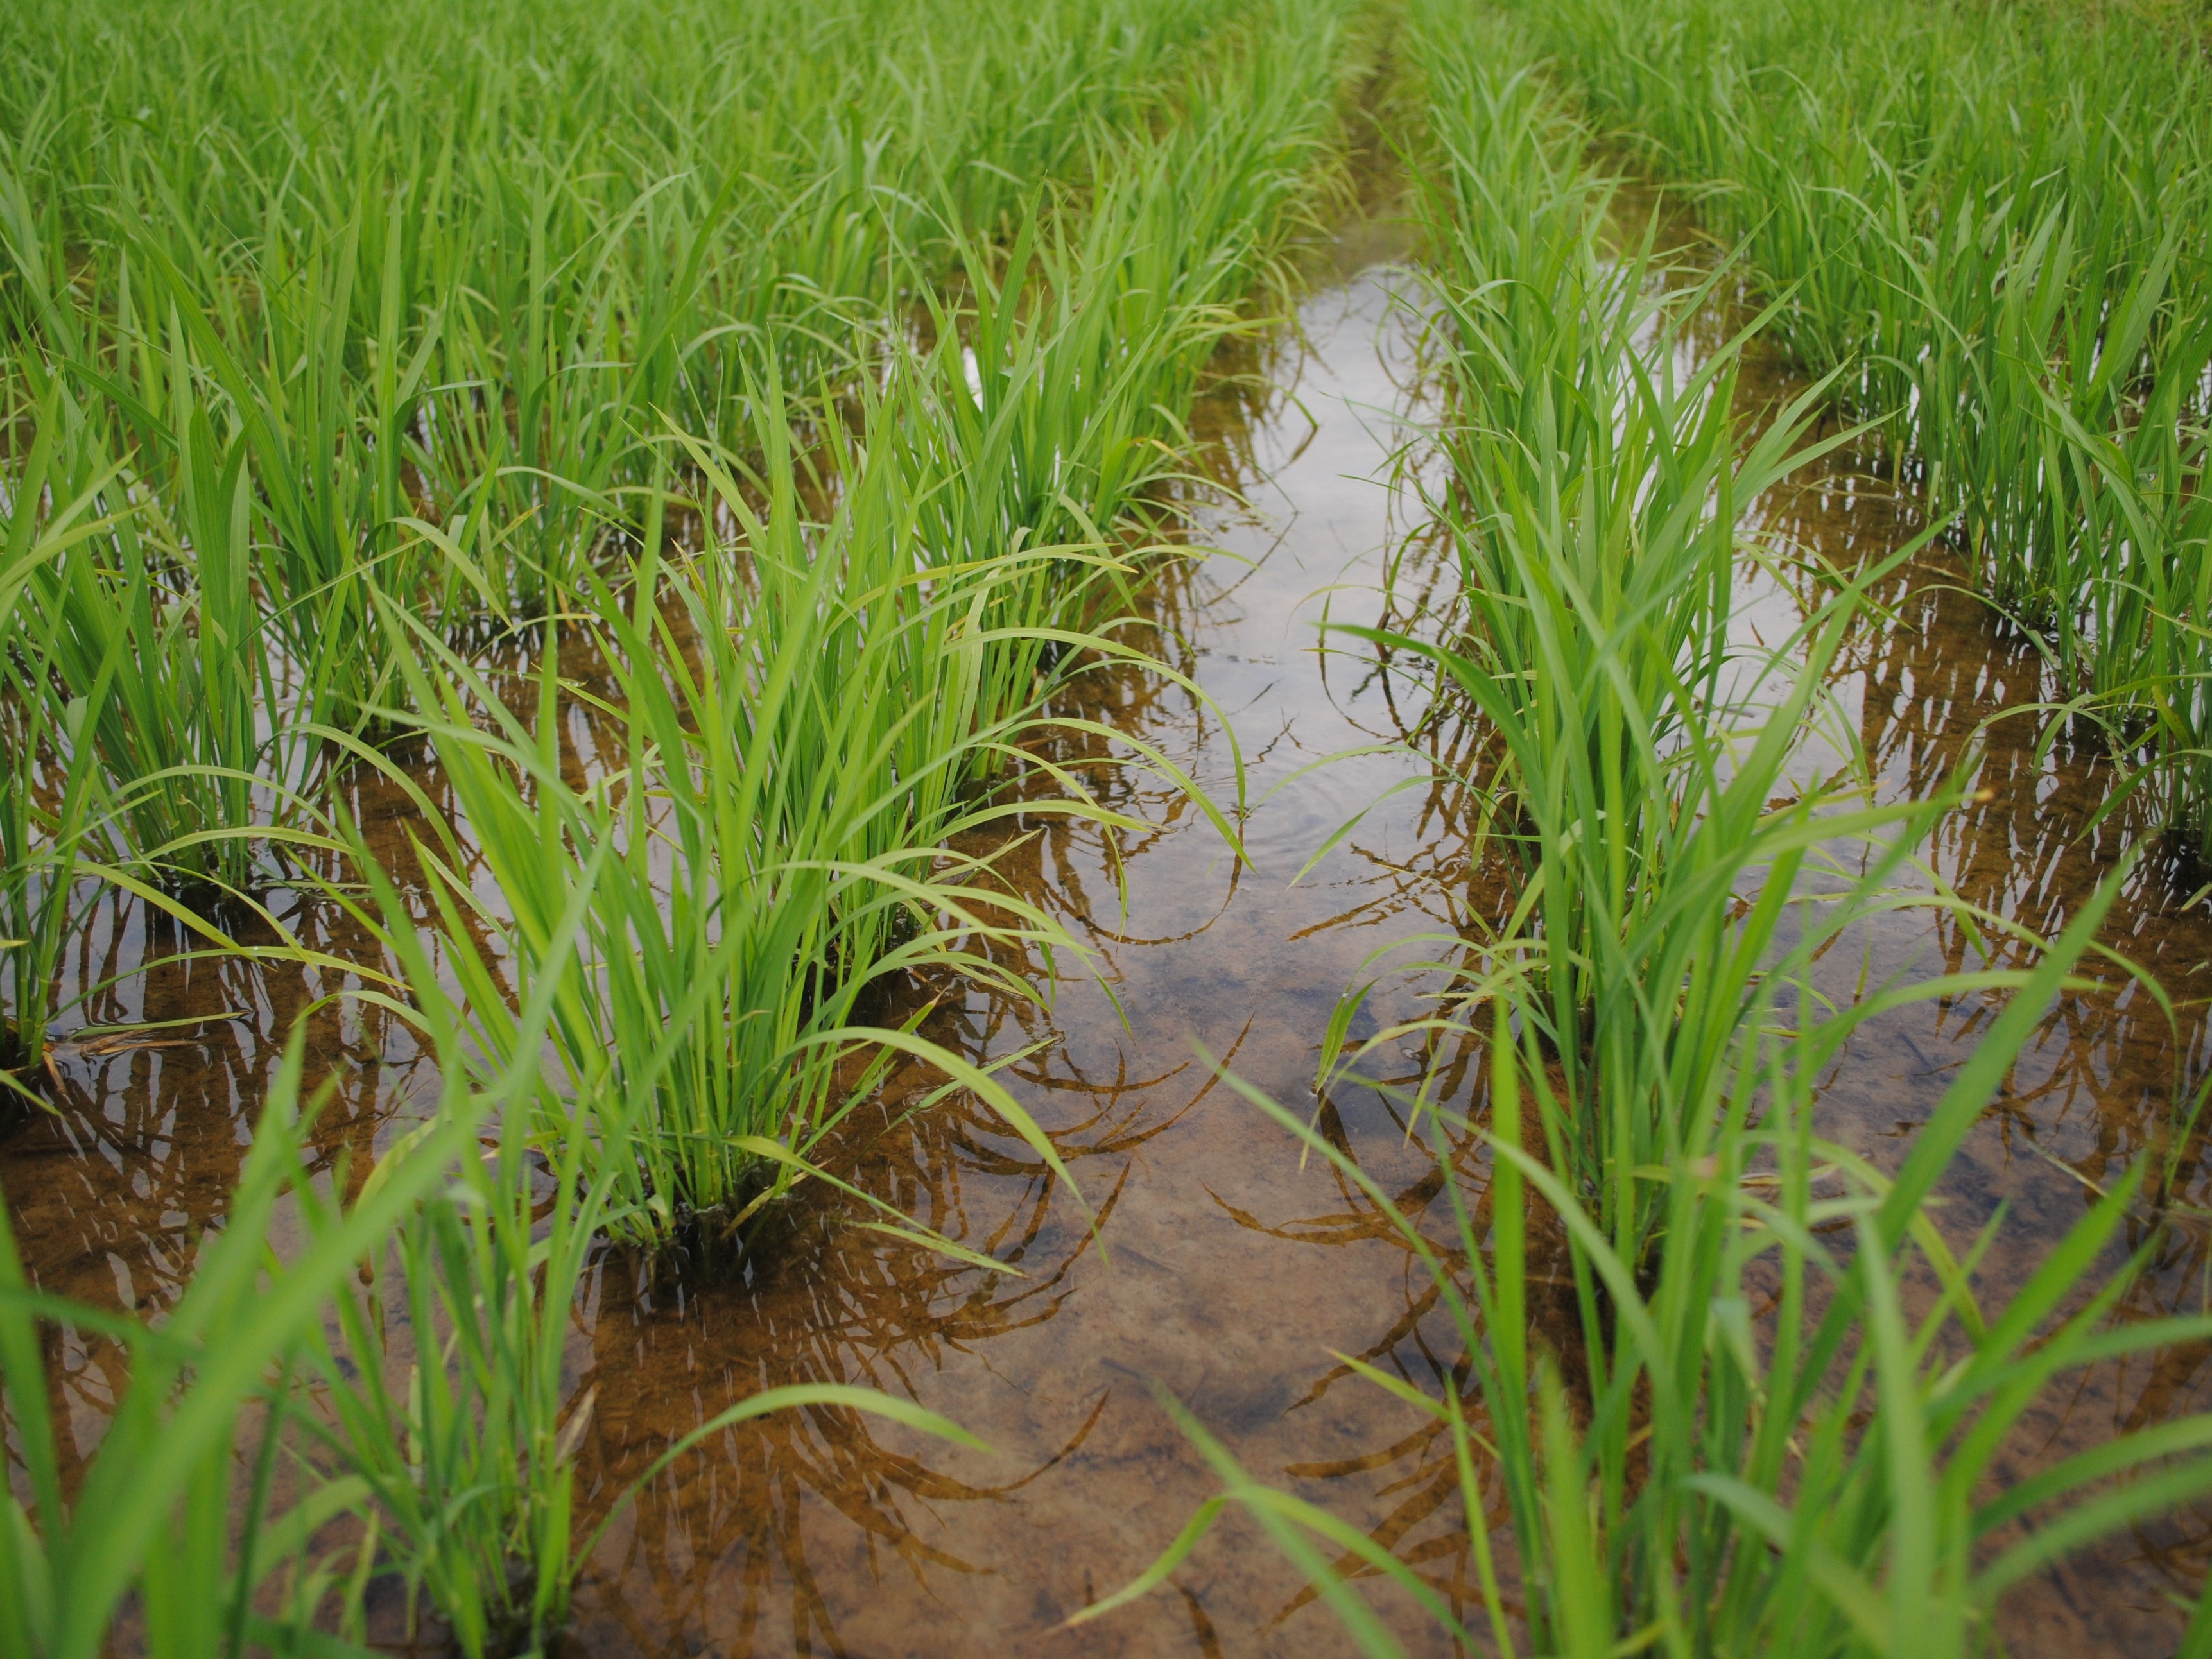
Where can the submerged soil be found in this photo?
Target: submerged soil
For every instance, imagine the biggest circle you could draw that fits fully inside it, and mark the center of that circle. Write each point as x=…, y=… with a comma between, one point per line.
x=1225, y=1272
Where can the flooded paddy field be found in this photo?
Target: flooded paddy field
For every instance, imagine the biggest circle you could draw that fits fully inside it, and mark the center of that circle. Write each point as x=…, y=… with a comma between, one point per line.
x=1224, y=1269
x=793, y=898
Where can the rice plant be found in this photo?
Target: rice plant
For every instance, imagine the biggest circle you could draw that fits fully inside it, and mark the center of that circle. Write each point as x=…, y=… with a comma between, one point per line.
x=758, y=854
x=469, y=1462
x=789, y=756
x=444, y=1398
x=200, y=1509
x=1991, y=224
x=47, y=830
x=1777, y=1441
x=1627, y=765
x=167, y=682
x=178, y=1507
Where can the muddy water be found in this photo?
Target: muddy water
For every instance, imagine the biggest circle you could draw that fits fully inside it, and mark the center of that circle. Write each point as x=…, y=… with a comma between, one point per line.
x=1221, y=1273
x=2113, y=1074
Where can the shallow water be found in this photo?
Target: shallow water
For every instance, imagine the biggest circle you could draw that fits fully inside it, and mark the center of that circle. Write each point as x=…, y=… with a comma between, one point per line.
x=1221, y=1273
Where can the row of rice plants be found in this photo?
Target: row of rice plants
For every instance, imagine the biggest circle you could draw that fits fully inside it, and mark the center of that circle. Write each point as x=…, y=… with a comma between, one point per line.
x=447, y=386
x=1593, y=508
x=215, y=624
x=512, y=236
x=795, y=746
x=1729, y=1389
x=650, y=967
x=1996, y=222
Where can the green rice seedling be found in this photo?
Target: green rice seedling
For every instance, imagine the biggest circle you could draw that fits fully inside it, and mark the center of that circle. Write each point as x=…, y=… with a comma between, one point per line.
x=456, y=1418
x=2134, y=649
x=327, y=445
x=789, y=753
x=1991, y=225
x=1593, y=509
x=73, y=800
x=1778, y=1438
x=153, y=1510
x=2168, y=586
x=48, y=826
x=2035, y=413
x=172, y=682
x=1628, y=869
x=468, y=1462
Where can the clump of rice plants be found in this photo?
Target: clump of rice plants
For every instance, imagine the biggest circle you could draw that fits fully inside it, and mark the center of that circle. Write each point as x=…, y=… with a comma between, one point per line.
x=763, y=860
x=1592, y=507
x=443, y=1398
x=46, y=835
x=1991, y=224
x=804, y=713
x=155, y=1514
x=203, y=1507
x=166, y=680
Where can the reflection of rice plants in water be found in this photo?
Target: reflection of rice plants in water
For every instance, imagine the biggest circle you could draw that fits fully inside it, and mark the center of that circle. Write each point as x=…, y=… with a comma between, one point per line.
x=599, y=613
